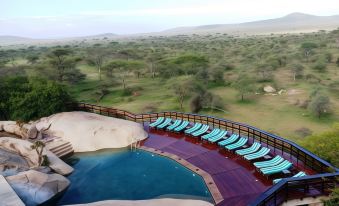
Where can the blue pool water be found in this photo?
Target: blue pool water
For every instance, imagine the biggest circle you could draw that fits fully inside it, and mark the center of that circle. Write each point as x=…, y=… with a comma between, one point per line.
x=126, y=175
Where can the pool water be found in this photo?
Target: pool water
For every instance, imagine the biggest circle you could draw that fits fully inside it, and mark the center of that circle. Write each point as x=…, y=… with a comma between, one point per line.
x=130, y=175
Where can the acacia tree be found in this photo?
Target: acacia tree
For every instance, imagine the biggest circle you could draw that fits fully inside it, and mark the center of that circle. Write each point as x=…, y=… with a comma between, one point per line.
x=297, y=70
x=308, y=47
x=244, y=84
x=123, y=67
x=65, y=65
x=182, y=90
x=319, y=105
x=96, y=57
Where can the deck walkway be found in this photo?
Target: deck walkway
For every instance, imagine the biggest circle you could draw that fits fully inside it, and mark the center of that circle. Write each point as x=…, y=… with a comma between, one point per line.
x=7, y=195
x=236, y=179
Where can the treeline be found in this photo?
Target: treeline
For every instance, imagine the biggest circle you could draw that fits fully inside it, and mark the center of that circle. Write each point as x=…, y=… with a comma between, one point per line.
x=201, y=63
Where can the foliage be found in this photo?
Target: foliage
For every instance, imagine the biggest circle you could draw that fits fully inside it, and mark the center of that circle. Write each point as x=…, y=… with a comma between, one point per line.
x=319, y=105
x=333, y=198
x=39, y=146
x=325, y=144
x=297, y=71
x=245, y=85
x=319, y=66
x=27, y=99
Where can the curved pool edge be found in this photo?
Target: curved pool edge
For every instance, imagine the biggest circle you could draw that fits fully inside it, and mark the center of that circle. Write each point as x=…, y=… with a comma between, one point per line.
x=210, y=184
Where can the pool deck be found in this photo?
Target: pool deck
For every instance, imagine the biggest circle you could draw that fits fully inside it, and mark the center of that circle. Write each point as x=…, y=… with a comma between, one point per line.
x=235, y=181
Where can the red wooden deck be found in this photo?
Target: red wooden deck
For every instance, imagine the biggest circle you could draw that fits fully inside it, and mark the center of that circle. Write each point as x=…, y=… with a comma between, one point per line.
x=236, y=179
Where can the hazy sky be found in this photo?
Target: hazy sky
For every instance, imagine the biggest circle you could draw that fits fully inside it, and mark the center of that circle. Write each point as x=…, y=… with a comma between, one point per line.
x=65, y=18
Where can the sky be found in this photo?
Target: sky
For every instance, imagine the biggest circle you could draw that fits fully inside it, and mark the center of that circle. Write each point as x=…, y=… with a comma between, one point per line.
x=70, y=18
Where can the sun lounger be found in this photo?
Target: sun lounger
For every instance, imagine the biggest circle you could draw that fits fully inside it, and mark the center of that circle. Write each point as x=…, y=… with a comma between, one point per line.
x=277, y=168
x=157, y=122
x=194, y=128
x=218, y=137
x=229, y=140
x=269, y=163
x=165, y=123
x=253, y=148
x=201, y=131
x=262, y=152
x=175, y=124
x=299, y=174
x=181, y=127
x=211, y=134
x=241, y=142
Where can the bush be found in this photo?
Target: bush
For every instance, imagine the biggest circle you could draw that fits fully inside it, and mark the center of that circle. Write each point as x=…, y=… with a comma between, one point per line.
x=28, y=99
x=319, y=66
x=325, y=145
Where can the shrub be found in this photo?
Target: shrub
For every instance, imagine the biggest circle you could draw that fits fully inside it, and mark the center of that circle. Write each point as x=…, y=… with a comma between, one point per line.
x=325, y=144
x=319, y=66
x=28, y=99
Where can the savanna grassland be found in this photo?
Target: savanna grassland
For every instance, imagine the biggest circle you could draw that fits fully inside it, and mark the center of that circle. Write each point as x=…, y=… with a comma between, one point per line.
x=217, y=74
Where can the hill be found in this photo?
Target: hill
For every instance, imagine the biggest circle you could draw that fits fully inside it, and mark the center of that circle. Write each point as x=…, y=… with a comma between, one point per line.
x=292, y=23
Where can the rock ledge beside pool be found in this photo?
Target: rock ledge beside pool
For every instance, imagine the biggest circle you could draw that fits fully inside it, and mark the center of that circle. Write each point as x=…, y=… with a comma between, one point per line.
x=90, y=132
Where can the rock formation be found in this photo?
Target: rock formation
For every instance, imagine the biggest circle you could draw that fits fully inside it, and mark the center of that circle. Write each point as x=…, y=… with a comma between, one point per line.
x=23, y=148
x=90, y=132
x=35, y=187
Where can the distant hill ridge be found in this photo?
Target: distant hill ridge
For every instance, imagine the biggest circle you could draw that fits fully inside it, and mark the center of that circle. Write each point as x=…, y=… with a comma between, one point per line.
x=292, y=23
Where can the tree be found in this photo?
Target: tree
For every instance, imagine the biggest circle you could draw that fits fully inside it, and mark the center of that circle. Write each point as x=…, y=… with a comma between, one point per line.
x=297, y=70
x=325, y=144
x=65, y=65
x=320, y=66
x=123, y=67
x=308, y=47
x=264, y=72
x=319, y=105
x=96, y=57
x=182, y=90
x=328, y=57
x=39, y=146
x=29, y=99
x=32, y=59
x=153, y=57
x=337, y=62
x=244, y=84
x=217, y=75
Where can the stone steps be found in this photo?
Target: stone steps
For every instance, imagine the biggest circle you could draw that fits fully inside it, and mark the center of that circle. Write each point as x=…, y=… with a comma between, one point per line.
x=60, y=148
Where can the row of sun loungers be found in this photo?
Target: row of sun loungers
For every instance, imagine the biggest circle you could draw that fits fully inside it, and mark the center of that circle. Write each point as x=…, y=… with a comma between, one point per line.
x=234, y=142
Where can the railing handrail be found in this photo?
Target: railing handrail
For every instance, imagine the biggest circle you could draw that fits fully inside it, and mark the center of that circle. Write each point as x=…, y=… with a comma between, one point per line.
x=285, y=181
x=268, y=194
x=233, y=122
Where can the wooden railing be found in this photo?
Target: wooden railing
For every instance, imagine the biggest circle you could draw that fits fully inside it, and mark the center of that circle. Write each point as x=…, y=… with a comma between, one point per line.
x=279, y=145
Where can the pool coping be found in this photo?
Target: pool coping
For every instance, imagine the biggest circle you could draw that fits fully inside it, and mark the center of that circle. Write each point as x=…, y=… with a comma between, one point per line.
x=212, y=187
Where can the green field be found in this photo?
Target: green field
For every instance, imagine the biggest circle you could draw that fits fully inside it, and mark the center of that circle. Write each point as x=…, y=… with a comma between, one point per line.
x=153, y=66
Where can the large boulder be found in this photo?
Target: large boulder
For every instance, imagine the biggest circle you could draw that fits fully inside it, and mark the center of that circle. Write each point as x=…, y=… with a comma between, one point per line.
x=11, y=127
x=34, y=187
x=151, y=202
x=23, y=148
x=11, y=163
x=30, y=131
x=91, y=132
x=269, y=89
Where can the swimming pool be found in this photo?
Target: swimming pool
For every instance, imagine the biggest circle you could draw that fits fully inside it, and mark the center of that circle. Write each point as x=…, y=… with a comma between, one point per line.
x=130, y=175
